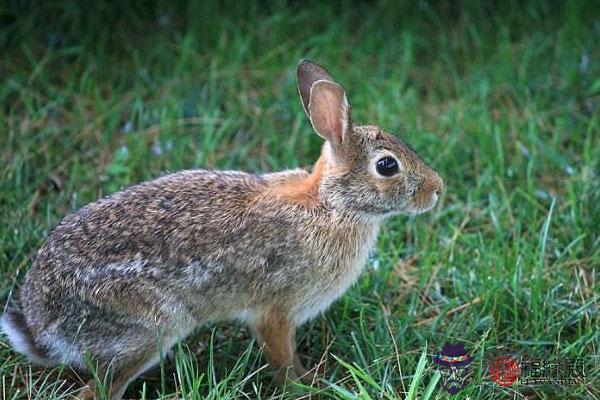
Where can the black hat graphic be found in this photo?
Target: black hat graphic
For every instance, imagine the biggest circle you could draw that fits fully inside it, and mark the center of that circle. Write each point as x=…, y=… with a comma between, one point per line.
x=453, y=355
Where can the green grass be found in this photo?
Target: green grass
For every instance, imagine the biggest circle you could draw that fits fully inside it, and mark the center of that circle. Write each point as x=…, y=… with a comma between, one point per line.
x=502, y=99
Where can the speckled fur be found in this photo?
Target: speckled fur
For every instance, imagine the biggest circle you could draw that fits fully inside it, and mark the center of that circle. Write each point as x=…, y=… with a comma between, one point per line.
x=146, y=266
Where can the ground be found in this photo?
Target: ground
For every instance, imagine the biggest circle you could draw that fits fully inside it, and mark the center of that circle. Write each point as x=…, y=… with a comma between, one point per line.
x=501, y=97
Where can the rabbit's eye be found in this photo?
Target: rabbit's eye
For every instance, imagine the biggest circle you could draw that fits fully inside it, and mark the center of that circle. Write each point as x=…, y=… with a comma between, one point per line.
x=387, y=166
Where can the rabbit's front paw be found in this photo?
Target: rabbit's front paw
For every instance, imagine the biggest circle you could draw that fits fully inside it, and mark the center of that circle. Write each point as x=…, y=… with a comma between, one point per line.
x=307, y=377
x=87, y=393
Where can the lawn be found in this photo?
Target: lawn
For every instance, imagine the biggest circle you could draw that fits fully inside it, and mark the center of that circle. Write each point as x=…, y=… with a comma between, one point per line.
x=502, y=98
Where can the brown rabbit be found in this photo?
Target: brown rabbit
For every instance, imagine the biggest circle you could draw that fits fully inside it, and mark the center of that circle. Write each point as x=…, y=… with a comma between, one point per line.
x=126, y=277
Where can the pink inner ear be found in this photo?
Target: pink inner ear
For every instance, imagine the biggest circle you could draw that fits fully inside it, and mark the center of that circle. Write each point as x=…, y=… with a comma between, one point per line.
x=326, y=111
x=330, y=110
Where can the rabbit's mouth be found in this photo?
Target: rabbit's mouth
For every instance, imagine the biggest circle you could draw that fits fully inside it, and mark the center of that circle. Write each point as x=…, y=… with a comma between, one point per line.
x=420, y=206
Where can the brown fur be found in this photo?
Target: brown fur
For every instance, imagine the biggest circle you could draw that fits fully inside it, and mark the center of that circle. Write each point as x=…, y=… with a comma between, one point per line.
x=137, y=271
x=301, y=190
x=276, y=332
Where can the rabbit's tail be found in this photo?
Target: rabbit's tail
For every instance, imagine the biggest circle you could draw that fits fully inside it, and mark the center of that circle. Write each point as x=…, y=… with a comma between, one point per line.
x=15, y=326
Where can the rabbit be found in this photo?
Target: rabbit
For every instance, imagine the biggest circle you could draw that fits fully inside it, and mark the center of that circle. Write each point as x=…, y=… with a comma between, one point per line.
x=125, y=278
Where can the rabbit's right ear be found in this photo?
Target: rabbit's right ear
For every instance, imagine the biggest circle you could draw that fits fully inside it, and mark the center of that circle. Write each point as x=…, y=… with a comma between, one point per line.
x=324, y=102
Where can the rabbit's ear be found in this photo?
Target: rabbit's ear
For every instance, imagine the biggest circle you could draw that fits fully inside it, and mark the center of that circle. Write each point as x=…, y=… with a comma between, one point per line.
x=308, y=73
x=329, y=111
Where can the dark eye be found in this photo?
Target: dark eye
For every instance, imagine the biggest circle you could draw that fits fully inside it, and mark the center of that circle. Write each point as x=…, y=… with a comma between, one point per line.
x=387, y=166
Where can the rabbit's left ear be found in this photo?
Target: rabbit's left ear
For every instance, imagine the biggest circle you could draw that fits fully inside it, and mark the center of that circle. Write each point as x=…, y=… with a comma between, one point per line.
x=308, y=73
x=324, y=101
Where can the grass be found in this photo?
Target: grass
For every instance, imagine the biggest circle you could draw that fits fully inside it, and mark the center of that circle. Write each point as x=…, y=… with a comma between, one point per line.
x=502, y=98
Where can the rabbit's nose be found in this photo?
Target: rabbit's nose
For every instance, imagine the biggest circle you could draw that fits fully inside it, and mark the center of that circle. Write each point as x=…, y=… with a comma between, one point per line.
x=437, y=184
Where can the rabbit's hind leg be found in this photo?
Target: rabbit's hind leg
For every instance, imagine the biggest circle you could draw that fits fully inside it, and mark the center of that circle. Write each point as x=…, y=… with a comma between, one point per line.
x=119, y=351
x=117, y=377
x=130, y=370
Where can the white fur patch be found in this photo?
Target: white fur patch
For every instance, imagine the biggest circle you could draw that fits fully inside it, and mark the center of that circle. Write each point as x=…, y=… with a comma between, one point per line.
x=20, y=343
x=65, y=351
x=246, y=316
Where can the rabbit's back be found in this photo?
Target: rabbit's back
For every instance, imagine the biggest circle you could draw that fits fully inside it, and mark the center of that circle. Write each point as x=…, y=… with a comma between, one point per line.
x=157, y=219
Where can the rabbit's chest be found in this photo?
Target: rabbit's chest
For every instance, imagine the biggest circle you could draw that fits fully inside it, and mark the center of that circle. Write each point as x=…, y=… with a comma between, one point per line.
x=337, y=266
